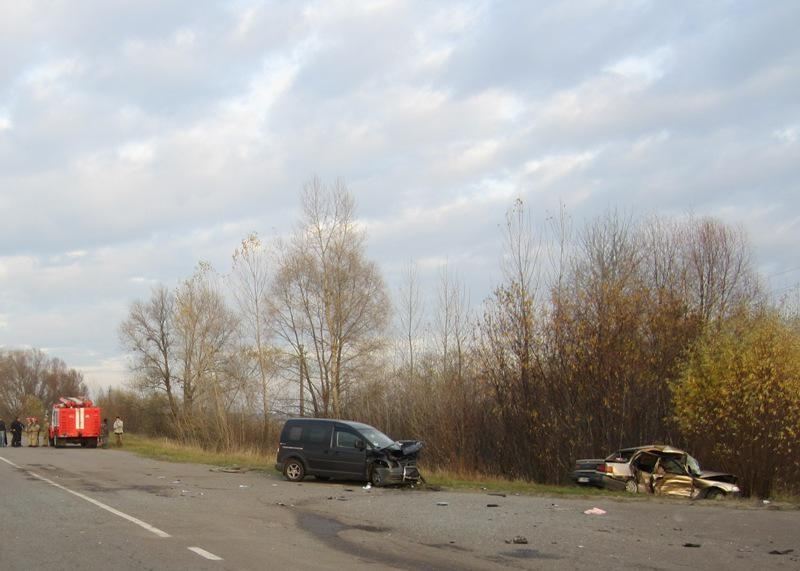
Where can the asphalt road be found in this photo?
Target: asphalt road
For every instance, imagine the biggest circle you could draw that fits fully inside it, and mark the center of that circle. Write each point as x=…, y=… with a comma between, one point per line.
x=108, y=509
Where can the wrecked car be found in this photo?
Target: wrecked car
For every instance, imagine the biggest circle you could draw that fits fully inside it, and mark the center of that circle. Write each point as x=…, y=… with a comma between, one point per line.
x=347, y=450
x=656, y=469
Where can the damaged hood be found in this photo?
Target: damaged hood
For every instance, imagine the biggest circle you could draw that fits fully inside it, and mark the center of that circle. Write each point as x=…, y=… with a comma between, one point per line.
x=404, y=448
x=718, y=476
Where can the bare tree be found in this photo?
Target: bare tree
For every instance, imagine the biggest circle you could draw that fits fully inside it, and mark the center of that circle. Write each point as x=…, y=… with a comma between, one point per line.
x=148, y=334
x=330, y=302
x=411, y=310
x=204, y=333
x=251, y=286
x=718, y=268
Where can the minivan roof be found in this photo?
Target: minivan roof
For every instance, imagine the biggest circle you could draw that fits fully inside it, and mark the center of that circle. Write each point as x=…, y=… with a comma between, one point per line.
x=350, y=423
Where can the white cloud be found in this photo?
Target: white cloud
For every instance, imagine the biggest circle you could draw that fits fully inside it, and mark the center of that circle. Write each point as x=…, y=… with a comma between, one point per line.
x=788, y=134
x=645, y=69
x=138, y=139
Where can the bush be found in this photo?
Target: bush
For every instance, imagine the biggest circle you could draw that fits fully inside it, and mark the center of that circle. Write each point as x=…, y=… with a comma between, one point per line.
x=737, y=400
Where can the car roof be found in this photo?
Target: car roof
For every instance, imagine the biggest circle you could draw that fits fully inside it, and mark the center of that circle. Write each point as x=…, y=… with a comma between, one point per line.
x=663, y=448
x=350, y=423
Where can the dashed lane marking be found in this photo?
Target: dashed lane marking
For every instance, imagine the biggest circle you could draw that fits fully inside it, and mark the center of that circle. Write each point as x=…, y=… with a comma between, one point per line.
x=203, y=553
x=99, y=504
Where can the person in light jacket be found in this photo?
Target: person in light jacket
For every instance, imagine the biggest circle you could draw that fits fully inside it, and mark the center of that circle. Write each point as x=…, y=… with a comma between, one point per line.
x=118, y=430
x=3, y=441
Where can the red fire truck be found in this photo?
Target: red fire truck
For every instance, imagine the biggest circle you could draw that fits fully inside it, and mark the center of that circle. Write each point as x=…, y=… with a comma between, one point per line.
x=74, y=421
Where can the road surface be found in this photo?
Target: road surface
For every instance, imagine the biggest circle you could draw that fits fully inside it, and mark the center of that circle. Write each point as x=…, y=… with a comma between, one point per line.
x=109, y=509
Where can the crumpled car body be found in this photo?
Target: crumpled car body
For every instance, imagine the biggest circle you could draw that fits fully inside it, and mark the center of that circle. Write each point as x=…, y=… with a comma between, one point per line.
x=656, y=469
x=395, y=464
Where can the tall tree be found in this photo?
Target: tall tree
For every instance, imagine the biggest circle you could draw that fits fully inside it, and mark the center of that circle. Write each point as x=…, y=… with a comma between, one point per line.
x=148, y=334
x=251, y=286
x=330, y=303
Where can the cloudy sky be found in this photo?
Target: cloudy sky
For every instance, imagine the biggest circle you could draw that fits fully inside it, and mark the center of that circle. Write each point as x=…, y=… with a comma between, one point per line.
x=138, y=137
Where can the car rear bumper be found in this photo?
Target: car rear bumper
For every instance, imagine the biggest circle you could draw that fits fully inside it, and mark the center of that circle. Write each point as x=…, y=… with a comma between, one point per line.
x=588, y=478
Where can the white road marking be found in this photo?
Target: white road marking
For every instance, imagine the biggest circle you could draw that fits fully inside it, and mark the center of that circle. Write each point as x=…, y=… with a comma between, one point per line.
x=116, y=512
x=204, y=553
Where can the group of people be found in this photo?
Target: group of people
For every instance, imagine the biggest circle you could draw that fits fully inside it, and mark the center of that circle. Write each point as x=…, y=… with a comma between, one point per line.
x=16, y=428
x=33, y=431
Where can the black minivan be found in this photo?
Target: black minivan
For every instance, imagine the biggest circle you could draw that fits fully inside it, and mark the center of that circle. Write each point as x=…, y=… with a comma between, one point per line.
x=343, y=449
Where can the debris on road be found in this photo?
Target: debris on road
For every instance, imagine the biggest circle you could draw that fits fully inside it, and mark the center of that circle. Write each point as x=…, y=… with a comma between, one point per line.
x=691, y=545
x=781, y=551
x=368, y=487
x=518, y=540
x=243, y=486
x=492, y=505
x=498, y=494
x=442, y=503
x=229, y=469
x=595, y=511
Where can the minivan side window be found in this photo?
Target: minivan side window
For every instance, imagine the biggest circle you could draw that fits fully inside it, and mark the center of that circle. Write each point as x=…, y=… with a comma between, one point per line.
x=317, y=434
x=295, y=433
x=346, y=439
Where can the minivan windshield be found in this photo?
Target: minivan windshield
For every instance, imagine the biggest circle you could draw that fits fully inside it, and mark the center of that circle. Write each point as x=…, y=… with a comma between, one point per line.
x=375, y=437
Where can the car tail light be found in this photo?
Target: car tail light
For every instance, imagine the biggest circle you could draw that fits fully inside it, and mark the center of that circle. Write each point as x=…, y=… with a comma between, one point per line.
x=601, y=468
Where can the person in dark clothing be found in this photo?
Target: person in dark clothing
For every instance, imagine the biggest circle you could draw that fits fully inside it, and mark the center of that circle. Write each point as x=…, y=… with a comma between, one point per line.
x=3, y=440
x=16, y=433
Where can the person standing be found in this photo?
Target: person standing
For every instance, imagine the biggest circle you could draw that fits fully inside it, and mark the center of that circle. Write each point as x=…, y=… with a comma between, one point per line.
x=45, y=432
x=16, y=433
x=35, y=429
x=118, y=430
x=28, y=430
x=3, y=441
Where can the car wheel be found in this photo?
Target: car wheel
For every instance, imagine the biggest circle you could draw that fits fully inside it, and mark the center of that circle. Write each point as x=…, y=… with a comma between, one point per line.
x=631, y=487
x=375, y=477
x=294, y=470
x=715, y=494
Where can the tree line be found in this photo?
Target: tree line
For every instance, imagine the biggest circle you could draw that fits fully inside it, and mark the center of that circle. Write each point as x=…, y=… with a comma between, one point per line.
x=618, y=333
x=32, y=381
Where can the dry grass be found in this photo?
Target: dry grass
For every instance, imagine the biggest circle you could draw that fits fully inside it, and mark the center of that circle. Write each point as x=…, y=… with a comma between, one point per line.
x=172, y=451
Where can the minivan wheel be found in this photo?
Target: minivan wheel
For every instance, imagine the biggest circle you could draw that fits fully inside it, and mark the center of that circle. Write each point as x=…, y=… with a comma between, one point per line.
x=631, y=487
x=294, y=470
x=375, y=477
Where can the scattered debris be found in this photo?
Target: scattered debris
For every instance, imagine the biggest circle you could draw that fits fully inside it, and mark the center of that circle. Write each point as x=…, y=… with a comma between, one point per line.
x=176, y=482
x=691, y=545
x=518, y=540
x=243, y=486
x=498, y=494
x=492, y=505
x=442, y=503
x=781, y=551
x=348, y=489
x=367, y=487
x=595, y=511
x=765, y=502
x=229, y=469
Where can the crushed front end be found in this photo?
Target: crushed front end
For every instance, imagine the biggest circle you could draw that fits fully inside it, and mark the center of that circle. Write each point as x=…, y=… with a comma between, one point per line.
x=396, y=464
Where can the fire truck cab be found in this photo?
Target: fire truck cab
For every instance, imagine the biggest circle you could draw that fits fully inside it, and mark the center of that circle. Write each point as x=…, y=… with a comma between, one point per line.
x=74, y=421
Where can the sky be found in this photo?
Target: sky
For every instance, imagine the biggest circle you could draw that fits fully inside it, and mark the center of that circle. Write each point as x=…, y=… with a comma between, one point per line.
x=139, y=137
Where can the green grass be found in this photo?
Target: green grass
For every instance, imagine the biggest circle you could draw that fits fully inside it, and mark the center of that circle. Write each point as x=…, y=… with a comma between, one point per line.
x=172, y=451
